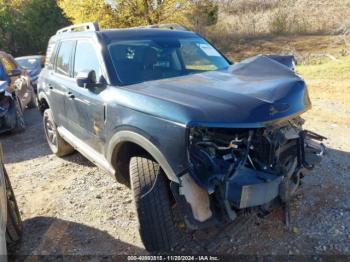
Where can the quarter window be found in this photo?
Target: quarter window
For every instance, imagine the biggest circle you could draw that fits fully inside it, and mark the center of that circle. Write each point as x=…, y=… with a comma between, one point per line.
x=86, y=59
x=63, y=58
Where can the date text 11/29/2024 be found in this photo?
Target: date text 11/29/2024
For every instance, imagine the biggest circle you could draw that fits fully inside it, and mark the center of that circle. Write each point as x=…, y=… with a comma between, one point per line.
x=174, y=258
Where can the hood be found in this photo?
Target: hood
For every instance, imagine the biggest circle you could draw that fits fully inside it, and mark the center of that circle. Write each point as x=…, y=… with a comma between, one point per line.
x=251, y=93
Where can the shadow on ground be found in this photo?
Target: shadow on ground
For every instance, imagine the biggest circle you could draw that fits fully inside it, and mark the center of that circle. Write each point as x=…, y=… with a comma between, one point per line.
x=26, y=145
x=31, y=143
x=48, y=236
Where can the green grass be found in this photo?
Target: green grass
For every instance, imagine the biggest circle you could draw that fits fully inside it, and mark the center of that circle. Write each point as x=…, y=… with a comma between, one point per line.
x=330, y=70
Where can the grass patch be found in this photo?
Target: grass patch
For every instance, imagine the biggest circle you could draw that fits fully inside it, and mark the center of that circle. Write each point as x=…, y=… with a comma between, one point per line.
x=331, y=70
x=307, y=49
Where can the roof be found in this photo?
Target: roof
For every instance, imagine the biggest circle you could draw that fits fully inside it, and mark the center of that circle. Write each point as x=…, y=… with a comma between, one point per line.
x=135, y=33
x=129, y=33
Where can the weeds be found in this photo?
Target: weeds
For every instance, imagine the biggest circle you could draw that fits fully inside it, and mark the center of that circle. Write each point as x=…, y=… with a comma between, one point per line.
x=247, y=19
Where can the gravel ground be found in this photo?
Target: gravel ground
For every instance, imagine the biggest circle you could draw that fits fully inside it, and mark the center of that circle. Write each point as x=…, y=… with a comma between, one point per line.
x=70, y=207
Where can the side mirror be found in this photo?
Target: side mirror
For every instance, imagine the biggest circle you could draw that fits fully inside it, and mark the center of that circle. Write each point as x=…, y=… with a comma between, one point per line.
x=15, y=72
x=86, y=78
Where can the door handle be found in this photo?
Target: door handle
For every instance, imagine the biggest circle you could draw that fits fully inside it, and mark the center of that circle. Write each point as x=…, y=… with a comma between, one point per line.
x=70, y=95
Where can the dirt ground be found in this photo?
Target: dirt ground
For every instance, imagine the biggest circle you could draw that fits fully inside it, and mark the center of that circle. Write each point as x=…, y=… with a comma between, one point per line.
x=70, y=207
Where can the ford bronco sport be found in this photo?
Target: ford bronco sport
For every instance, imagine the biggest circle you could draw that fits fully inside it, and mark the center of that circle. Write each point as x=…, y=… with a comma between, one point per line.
x=166, y=113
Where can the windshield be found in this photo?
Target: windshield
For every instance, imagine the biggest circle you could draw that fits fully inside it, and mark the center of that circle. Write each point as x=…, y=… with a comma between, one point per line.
x=152, y=59
x=29, y=63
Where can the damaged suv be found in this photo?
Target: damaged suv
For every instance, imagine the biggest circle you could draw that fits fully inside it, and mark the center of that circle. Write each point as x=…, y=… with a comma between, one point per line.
x=166, y=113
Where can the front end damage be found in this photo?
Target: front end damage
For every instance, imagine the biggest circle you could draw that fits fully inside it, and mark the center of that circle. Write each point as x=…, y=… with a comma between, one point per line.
x=7, y=109
x=235, y=169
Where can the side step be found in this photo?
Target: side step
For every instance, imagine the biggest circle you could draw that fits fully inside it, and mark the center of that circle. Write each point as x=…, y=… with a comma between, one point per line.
x=87, y=151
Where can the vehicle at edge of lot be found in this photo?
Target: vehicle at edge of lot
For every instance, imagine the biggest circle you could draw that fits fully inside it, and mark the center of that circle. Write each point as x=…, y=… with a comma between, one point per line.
x=18, y=80
x=10, y=218
x=33, y=64
x=11, y=115
x=167, y=114
x=15, y=94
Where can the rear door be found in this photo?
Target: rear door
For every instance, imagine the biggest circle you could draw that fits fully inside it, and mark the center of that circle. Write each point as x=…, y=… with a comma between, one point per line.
x=87, y=109
x=59, y=81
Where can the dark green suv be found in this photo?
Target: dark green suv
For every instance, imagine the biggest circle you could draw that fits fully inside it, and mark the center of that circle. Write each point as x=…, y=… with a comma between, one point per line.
x=165, y=112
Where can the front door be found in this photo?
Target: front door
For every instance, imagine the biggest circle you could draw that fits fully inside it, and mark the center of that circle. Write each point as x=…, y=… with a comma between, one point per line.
x=86, y=109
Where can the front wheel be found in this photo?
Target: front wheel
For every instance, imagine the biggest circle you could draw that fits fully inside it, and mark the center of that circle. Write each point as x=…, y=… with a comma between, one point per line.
x=56, y=143
x=152, y=199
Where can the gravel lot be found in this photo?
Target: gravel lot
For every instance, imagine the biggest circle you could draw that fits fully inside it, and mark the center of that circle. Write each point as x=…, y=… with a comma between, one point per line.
x=71, y=207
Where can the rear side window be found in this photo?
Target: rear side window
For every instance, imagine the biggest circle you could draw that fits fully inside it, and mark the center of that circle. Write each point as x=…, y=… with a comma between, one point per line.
x=86, y=59
x=50, y=57
x=63, y=60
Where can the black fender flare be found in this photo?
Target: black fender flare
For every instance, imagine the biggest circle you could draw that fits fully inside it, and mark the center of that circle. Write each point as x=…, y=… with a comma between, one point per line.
x=42, y=95
x=146, y=144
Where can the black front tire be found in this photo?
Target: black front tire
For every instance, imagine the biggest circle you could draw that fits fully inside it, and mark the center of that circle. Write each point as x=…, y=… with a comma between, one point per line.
x=153, y=204
x=56, y=143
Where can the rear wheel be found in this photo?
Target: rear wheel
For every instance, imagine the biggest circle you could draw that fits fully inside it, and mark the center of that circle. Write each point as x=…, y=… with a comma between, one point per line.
x=33, y=101
x=57, y=144
x=20, y=124
x=153, y=205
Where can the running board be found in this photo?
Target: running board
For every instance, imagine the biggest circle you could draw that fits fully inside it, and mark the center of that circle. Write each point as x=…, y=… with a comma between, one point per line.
x=87, y=151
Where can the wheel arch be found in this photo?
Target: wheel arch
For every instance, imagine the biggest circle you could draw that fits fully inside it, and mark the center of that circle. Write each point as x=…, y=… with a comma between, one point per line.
x=126, y=144
x=43, y=103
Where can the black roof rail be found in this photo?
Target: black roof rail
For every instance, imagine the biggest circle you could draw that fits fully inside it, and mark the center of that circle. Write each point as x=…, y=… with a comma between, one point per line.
x=166, y=26
x=91, y=26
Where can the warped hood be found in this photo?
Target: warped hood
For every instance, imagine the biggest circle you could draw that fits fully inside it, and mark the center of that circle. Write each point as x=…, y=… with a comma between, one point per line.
x=252, y=93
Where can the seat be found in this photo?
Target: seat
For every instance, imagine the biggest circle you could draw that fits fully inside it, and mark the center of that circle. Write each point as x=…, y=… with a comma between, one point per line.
x=149, y=71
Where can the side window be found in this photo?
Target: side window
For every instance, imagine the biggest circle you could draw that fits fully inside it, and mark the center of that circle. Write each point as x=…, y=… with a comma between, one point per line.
x=64, y=57
x=50, y=54
x=8, y=65
x=86, y=59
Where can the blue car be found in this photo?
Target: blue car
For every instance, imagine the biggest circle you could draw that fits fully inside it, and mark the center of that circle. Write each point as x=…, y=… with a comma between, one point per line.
x=33, y=65
x=190, y=132
x=15, y=94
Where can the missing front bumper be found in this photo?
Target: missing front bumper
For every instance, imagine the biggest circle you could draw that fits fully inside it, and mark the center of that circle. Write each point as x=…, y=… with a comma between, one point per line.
x=249, y=188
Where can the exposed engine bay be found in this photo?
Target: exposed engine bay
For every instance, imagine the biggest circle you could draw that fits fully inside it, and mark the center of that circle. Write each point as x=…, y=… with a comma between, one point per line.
x=248, y=168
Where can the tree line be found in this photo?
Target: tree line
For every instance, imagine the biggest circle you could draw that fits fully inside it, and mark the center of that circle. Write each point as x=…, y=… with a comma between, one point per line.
x=27, y=25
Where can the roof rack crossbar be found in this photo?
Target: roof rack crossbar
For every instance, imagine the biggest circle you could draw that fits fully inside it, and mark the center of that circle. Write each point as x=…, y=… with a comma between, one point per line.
x=91, y=26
